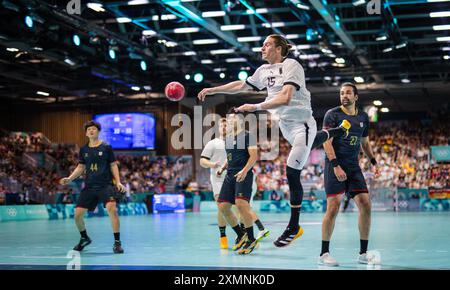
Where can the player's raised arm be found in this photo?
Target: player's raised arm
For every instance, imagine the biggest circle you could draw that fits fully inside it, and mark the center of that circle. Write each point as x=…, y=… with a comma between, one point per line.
x=230, y=88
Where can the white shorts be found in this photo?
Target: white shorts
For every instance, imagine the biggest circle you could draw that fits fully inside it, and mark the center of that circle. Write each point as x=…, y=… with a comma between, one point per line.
x=301, y=136
x=216, y=184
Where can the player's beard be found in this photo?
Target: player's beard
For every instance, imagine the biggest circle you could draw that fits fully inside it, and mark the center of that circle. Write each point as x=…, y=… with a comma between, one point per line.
x=347, y=103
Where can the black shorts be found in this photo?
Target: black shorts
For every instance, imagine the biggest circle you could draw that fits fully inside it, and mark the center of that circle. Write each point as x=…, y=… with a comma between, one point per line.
x=355, y=183
x=232, y=190
x=91, y=196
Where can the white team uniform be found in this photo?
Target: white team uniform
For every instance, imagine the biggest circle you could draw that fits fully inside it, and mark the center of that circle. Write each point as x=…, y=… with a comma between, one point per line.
x=214, y=151
x=296, y=121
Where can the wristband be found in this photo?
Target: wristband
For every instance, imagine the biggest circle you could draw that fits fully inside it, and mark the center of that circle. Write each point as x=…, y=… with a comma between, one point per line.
x=258, y=107
x=334, y=162
x=373, y=161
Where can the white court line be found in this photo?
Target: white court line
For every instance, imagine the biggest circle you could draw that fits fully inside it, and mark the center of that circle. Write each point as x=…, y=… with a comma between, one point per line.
x=154, y=265
x=39, y=257
x=440, y=251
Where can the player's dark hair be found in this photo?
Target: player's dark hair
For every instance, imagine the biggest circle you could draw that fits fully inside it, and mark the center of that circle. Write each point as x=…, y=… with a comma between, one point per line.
x=281, y=41
x=92, y=123
x=348, y=84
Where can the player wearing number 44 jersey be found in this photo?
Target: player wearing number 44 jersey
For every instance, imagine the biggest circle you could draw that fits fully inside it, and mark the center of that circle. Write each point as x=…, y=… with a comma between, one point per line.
x=97, y=160
x=342, y=172
x=289, y=99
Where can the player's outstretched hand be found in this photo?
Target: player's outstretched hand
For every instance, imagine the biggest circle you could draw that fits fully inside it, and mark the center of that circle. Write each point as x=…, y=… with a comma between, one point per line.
x=246, y=108
x=64, y=181
x=202, y=95
x=120, y=187
x=240, y=176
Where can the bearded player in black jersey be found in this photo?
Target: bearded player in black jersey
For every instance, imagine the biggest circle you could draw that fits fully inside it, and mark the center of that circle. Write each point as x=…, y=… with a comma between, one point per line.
x=343, y=174
x=102, y=184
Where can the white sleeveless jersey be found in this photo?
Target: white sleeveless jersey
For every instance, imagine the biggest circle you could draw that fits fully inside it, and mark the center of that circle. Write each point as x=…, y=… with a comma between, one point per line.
x=273, y=77
x=214, y=151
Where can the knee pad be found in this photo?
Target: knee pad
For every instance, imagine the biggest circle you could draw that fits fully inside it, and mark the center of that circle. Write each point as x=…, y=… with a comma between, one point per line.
x=295, y=186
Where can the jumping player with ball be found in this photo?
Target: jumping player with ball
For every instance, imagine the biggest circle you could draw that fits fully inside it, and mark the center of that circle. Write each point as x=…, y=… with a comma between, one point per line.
x=288, y=98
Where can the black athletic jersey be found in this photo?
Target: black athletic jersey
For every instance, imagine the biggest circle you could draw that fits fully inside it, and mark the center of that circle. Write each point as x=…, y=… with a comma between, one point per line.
x=98, y=164
x=236, y=148
x=347, y=148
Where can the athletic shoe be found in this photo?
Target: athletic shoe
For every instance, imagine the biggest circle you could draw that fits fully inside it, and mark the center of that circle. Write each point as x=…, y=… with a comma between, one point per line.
x=223, y=242
x=363, y=258
x=327, y=260
x=239, y=242
x=346, y=126
x=248, y=247
x=262, y=234
x=117, y=248
x=82, y=244
x=288, y=237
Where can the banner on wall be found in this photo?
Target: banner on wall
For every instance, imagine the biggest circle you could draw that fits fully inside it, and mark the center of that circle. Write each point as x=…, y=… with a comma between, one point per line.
x=169, y=203
x=439, y=193
x=440, y=153
x=283, y=206
x=22, y=212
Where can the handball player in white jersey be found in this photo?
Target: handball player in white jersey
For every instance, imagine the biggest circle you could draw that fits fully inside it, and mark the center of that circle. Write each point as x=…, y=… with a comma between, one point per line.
x=214, y=156
x=290, y=101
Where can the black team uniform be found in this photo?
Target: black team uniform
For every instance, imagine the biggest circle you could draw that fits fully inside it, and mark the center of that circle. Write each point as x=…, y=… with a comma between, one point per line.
x=99, y=187
x=347, y=151
x=236, y=148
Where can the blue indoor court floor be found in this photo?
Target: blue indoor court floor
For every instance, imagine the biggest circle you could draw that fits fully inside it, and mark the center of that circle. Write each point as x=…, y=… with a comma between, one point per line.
x=190, y=241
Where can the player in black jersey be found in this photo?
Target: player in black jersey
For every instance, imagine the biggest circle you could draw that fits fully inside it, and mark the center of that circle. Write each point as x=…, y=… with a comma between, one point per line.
x=242, y=153
x=342, y=172
x=102, y=183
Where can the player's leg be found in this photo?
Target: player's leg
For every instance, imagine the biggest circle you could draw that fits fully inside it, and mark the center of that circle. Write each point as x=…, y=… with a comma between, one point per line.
x=109, y=197
x=221, y=221
x=79, y=219
x=226, y=200
x=263, y=232
x=243, y=195
x=246, y=213
x=86, y=201
x=225, y=209
x=111, y=207
x=325, y=134
x=301, y=147
x=79, y=222
x=335, y=192
x=329, y=220
x=360, y=194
